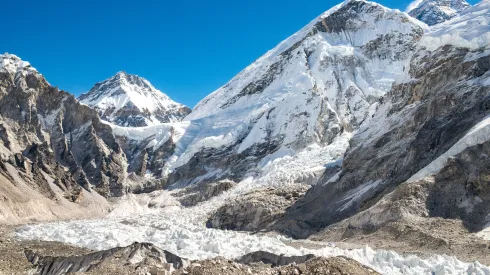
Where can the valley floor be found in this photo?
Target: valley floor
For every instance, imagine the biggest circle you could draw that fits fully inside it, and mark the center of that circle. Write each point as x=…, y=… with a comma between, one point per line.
x=12, y=258
x=157, y=218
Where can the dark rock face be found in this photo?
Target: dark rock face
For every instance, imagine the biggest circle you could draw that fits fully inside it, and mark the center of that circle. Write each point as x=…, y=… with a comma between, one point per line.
x=273, y=259
x=345, y=18
x=62, y=138
x=143, y=158
x=135, y=253
x=194, y=194
x=258, y=86
x=230, y=164
x=433, y=12
x=256, y=210
x=461, y=190
x=427, y=116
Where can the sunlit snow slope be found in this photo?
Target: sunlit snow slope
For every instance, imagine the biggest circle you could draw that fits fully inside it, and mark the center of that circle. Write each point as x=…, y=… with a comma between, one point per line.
x=130, y=100
x=322, y=82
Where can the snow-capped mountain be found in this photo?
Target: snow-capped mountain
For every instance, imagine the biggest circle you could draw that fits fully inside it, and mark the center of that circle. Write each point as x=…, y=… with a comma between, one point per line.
x=433, y=12
x=383, y=119
x=131, y=101
x=314, y=88
x=421, y=157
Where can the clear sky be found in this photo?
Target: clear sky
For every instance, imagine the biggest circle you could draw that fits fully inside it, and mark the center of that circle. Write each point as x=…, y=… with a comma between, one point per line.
x=186, y=48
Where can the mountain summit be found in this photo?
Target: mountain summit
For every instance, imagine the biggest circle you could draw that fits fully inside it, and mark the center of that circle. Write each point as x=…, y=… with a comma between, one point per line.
x=433, y=12
x=131, y=101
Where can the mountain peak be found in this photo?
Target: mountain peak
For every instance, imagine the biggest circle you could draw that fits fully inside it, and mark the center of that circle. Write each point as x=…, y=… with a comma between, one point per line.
x=433, y=12
x=130, y=100
x=12, y=63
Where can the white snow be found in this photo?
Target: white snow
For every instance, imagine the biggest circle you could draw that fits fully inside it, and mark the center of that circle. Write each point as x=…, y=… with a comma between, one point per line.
x=434, y=12
x=287, y=167
x=335, y=77
x=471, y=56
x=12, y=63
x=123, y=90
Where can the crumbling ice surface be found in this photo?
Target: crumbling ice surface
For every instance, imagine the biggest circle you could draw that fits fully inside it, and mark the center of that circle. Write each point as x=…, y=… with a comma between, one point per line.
x=182, y=232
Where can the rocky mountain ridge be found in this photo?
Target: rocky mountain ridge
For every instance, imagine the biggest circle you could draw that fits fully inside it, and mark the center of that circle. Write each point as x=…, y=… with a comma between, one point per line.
x=56, y=154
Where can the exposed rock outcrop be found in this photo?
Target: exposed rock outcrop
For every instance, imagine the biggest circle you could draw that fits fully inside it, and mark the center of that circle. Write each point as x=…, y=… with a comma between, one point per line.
x=144, y=256
x=256, y=210
x=33, y=113
x=194, y=194
x=273, y=259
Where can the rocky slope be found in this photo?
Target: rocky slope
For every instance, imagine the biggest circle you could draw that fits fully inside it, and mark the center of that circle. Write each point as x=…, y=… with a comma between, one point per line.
x=55, y=154
x=145, y=258
x=131, y=101
x=433, y=12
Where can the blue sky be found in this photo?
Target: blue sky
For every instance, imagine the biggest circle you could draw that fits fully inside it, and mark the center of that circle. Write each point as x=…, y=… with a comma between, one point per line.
x=186, y=48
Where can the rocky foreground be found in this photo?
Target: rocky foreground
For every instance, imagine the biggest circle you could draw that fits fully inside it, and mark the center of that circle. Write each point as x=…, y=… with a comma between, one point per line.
x=52, y=258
